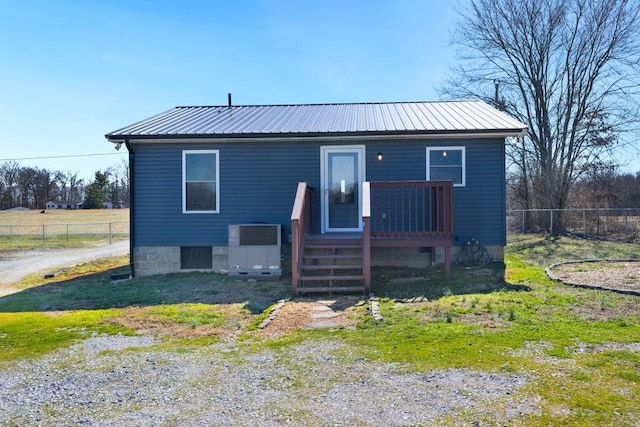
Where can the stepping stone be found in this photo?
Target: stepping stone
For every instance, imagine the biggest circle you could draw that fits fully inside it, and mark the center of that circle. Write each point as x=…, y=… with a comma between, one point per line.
x=324, y=325
x=325, y=315
x=320, y=308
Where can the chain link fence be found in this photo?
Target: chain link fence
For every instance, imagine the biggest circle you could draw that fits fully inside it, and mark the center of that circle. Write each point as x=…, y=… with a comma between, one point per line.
x=46, y=232
x=606, y=224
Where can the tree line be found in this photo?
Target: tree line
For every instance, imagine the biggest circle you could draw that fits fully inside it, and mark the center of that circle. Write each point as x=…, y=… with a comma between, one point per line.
x=32, y=187
x=605, y=190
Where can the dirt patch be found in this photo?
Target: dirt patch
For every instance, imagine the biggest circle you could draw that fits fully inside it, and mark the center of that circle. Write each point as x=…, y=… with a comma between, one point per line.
x=227, y=320
x=602, y=309
x=223, y=321
x=479, y=316
x=621, y=276
x=300, y=313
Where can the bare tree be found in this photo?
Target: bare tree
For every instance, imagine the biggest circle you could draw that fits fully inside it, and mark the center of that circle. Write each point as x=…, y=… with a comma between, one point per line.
x=45, y=188
x=61, y=179
x=569, y=69
x=121, y=183
x=76, y=187
x=9, y=175
x=27, y=186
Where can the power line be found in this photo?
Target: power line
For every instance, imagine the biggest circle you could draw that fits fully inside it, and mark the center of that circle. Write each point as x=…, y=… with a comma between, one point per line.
x=62, y=157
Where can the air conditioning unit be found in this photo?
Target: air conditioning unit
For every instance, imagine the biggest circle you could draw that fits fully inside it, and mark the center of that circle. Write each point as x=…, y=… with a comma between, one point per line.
x=254, y=250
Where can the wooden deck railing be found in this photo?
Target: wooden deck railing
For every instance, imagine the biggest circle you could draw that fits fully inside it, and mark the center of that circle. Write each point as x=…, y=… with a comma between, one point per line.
x=300, y=225
x=407, y=213
x=411, y=209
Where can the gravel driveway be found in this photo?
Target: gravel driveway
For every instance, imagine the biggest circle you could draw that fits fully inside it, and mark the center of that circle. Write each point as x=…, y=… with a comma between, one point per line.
x=16, y=265
x=122, y=381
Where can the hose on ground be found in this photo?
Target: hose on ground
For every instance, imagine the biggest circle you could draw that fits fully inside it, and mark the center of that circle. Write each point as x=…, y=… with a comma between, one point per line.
x=474, y=254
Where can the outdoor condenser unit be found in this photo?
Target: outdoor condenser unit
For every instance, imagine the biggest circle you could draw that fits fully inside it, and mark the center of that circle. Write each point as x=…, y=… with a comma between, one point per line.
x=254, y=250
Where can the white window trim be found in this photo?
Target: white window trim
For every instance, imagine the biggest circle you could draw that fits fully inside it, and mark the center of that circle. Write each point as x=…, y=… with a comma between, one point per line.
x=184, y=180
x=451, y=148
x=324, y=204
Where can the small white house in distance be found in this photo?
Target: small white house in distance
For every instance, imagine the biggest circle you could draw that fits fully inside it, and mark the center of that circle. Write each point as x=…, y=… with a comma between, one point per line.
x=63, y=204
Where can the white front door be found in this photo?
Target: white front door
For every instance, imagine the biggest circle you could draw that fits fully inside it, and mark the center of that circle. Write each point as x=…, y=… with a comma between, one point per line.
x=343, y=171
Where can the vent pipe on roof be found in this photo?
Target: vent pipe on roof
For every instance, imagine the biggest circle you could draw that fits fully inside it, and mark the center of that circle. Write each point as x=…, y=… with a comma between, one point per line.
x=229, y=99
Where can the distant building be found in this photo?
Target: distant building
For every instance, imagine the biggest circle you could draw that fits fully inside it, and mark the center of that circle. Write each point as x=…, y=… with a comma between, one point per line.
x=63, y=204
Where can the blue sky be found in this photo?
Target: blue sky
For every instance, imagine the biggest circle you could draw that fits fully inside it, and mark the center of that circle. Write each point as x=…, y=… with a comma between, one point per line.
x=72, y=71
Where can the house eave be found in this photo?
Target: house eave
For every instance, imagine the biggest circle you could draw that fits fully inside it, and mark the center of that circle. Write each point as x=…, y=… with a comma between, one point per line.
x=317, y=137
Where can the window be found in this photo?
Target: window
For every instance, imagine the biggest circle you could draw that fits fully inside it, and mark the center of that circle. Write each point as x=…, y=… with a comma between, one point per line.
x=446, y=164
x=201, y=183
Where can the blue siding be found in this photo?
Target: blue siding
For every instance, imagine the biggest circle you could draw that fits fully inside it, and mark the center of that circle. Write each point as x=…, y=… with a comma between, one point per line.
x=258, y=183
x=479, y=206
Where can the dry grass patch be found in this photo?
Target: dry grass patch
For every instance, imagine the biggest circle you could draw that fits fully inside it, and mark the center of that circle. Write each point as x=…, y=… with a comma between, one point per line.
x=604, y=308
x=187, y=321
x=471, y=312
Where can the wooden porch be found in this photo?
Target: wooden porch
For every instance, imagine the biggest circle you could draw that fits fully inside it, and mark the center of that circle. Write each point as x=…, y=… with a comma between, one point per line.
x=394, y=214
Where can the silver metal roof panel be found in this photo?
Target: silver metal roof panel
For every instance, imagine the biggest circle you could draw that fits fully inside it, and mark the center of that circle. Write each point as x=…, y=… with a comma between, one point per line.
x=311, y=119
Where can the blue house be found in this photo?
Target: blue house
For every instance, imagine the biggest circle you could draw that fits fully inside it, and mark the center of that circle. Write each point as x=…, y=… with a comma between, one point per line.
x=348, y=185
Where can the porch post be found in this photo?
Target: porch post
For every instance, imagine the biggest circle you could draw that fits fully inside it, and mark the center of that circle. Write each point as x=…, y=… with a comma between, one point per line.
x=366, y=244
x=447, y=262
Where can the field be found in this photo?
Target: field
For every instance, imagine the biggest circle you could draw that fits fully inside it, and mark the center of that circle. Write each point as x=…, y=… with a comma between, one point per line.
x=512, y=346
x=63, y=216
x=61, y=228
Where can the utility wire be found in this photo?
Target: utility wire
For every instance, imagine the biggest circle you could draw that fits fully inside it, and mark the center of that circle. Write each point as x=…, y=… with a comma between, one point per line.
x=62, y=157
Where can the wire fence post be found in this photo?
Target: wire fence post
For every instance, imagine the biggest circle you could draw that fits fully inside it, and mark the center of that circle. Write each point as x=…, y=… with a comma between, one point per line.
x=43, y=232
x=67, y=232
x=584, y=224
x=551, y=221
x=523, y=229
x=626, y=224
x=109, y=233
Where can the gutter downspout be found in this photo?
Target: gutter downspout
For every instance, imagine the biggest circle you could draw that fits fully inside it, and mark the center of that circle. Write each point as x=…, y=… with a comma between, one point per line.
x=131, y=207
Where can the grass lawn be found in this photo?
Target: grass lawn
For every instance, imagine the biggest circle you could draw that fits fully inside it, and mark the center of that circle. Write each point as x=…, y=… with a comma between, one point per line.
x=581, y=346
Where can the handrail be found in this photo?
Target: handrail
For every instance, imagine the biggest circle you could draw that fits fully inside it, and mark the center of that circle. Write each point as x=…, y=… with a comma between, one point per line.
x=300, y=224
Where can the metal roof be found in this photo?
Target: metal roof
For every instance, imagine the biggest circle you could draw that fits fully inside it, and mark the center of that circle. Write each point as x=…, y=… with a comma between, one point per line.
x=313, y=119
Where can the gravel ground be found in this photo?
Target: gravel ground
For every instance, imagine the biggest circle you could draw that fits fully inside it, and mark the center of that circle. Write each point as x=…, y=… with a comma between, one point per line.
x=122, y=381
x=16, y=265
x=606, y=274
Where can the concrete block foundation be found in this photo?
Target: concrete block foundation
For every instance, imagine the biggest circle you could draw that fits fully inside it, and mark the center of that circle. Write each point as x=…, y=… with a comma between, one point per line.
x=150, y=260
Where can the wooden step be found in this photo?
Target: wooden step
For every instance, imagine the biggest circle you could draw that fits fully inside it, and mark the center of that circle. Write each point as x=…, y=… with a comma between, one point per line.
x=332, y=256
x=330, y=242
x=332, y=267
x=324, y=289
x=331, y=278
x=333, y=246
